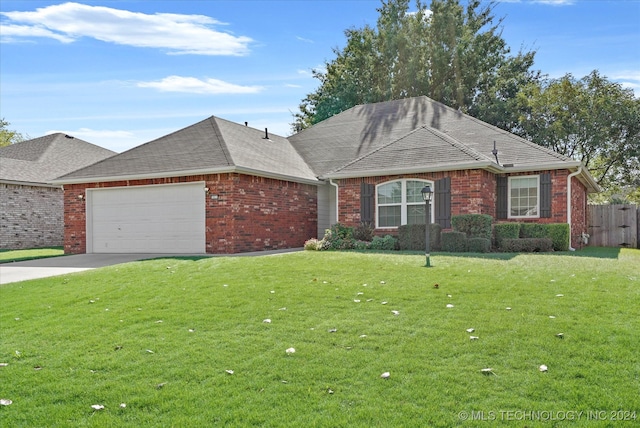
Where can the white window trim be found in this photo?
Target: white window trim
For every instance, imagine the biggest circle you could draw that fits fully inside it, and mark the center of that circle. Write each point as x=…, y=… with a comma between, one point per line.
x=403, y=203
x=515, y=177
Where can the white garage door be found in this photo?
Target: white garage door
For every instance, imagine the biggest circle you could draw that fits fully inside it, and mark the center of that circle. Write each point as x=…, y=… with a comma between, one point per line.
x=147, y=219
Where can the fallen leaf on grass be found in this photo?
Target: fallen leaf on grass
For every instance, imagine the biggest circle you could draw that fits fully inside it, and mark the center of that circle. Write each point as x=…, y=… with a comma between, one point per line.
x=488, y=371
x=471, y=330
x=383, y=303
x=161, y=385
x=5, y=402
x=396, y=313
x=123, y=405
x=332, y=330
x=559, y=295
x=449, y=306
x=4, y=364
x=385, y=375
x=150, y=351
x=229, y=372
x=543, y=368
x=356, y=300
x=290, y=351
x=473, y=338
x=508, y=308
x=97, y=407
x=560, y=335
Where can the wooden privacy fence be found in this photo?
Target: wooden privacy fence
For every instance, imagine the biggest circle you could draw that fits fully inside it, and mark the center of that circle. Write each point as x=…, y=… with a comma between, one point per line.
x=613, y=225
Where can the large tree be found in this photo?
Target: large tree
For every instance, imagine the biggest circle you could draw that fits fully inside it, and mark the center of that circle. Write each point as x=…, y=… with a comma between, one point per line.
x=8, y=137
x=450, y=53
x=592, y=120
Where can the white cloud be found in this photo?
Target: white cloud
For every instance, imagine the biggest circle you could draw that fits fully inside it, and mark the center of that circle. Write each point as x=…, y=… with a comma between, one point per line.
x=302, y=39
x=180, y=34
x=197, y=86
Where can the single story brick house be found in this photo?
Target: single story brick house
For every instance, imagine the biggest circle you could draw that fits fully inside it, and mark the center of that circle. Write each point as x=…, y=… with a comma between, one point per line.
x=31, y=209
x=222, y=187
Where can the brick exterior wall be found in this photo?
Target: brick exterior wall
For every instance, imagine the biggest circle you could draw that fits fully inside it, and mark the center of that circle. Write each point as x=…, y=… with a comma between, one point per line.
x=30, y=216
x=474, y=192
x=250, y=213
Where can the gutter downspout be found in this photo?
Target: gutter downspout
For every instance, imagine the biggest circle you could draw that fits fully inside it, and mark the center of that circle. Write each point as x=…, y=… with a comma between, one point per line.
x=569, y=197
x=336, y=186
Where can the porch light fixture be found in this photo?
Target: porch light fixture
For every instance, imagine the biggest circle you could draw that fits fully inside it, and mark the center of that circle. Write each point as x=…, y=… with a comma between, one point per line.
x=427, y=194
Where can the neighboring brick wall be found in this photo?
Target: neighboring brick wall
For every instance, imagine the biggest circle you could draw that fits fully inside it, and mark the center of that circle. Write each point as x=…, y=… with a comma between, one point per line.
x=30, y=216
x=250, y=213
x=473, y=192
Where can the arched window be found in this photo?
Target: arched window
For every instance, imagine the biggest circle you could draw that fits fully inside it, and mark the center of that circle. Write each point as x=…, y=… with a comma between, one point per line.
x=400, y=202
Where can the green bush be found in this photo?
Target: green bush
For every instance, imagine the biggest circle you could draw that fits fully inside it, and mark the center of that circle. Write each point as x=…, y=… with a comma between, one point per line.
x=527, y=245
x=534, y=230
x=387, y=242
x=478, y=245
x=473, y=225
x=560, y=234
x=411, y=237
x=454, y=242
x=364, y=232
x=503, y=231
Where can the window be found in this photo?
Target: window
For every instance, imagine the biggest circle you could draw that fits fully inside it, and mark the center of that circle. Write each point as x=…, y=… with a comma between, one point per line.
x=400, y=202
x=524, y=197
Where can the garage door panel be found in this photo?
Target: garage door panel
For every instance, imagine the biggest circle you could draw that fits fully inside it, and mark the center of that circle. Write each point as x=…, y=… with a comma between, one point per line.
x=154, y=219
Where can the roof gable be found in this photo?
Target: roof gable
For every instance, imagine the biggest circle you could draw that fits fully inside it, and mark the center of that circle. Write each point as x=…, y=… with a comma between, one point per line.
x=209, y=146
x=42, y=159
x=331, y=144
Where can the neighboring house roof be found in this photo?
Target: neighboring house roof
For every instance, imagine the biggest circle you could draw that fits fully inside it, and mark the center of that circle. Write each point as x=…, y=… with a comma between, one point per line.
x=213, y=145
x=40, y=160
x=418, y=135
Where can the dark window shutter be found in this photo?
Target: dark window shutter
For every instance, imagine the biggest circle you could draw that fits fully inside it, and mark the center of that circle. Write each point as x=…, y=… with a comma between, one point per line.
x=367, y=202
x=442, y=202
x=502, y=197
x=545, y=195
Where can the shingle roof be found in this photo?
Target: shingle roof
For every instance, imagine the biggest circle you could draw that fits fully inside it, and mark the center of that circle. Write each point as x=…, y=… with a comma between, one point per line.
x=212, y=145
x=331, y=146
x=40, y=160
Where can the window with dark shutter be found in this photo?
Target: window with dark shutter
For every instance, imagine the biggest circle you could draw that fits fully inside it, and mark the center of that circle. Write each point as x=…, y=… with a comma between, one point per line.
x=367, y=202
x=442, y=202
x=545, y=195
x=502, y=195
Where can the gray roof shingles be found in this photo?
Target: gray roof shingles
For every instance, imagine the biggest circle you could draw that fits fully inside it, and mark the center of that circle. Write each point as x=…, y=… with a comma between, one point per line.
x=396, y=136
x=42, y=159
x=330, y=145
x=213, y=144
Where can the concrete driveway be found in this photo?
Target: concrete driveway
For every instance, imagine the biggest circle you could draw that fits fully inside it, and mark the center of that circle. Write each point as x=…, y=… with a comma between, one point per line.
x=54, y=266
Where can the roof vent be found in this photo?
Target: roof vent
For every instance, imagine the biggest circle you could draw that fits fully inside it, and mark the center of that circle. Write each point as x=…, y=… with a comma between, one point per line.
x=246, y=124
x=266, y=134
x=495, y=152
x=68, y=136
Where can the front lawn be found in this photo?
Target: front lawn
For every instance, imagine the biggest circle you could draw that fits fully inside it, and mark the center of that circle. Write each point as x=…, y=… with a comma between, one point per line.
x=185, y=342
x=9, y=256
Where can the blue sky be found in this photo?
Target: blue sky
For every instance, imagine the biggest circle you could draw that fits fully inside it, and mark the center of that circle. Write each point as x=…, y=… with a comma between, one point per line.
x=120, y=73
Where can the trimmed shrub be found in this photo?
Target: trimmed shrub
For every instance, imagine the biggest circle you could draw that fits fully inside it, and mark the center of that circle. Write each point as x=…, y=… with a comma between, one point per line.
x=387, y=242
x=454, y=242
x=364, y=232
x=411, y=237
x=534, y=230
x=560, y=235
x=311, y=245
x=503, y=231
x=473, y=225
x=527, y=245
x=478, y=245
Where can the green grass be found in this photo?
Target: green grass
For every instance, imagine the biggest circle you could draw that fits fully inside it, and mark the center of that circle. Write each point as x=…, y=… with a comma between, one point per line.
x=9, y=256
x=83, y=339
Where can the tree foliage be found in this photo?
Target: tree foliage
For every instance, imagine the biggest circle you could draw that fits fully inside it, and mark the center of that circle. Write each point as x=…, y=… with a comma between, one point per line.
x=452, y=54
x=592, y=120
x=8, y=137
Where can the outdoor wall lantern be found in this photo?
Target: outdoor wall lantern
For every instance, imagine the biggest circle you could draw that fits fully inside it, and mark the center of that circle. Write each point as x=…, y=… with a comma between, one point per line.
x=427, y=194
